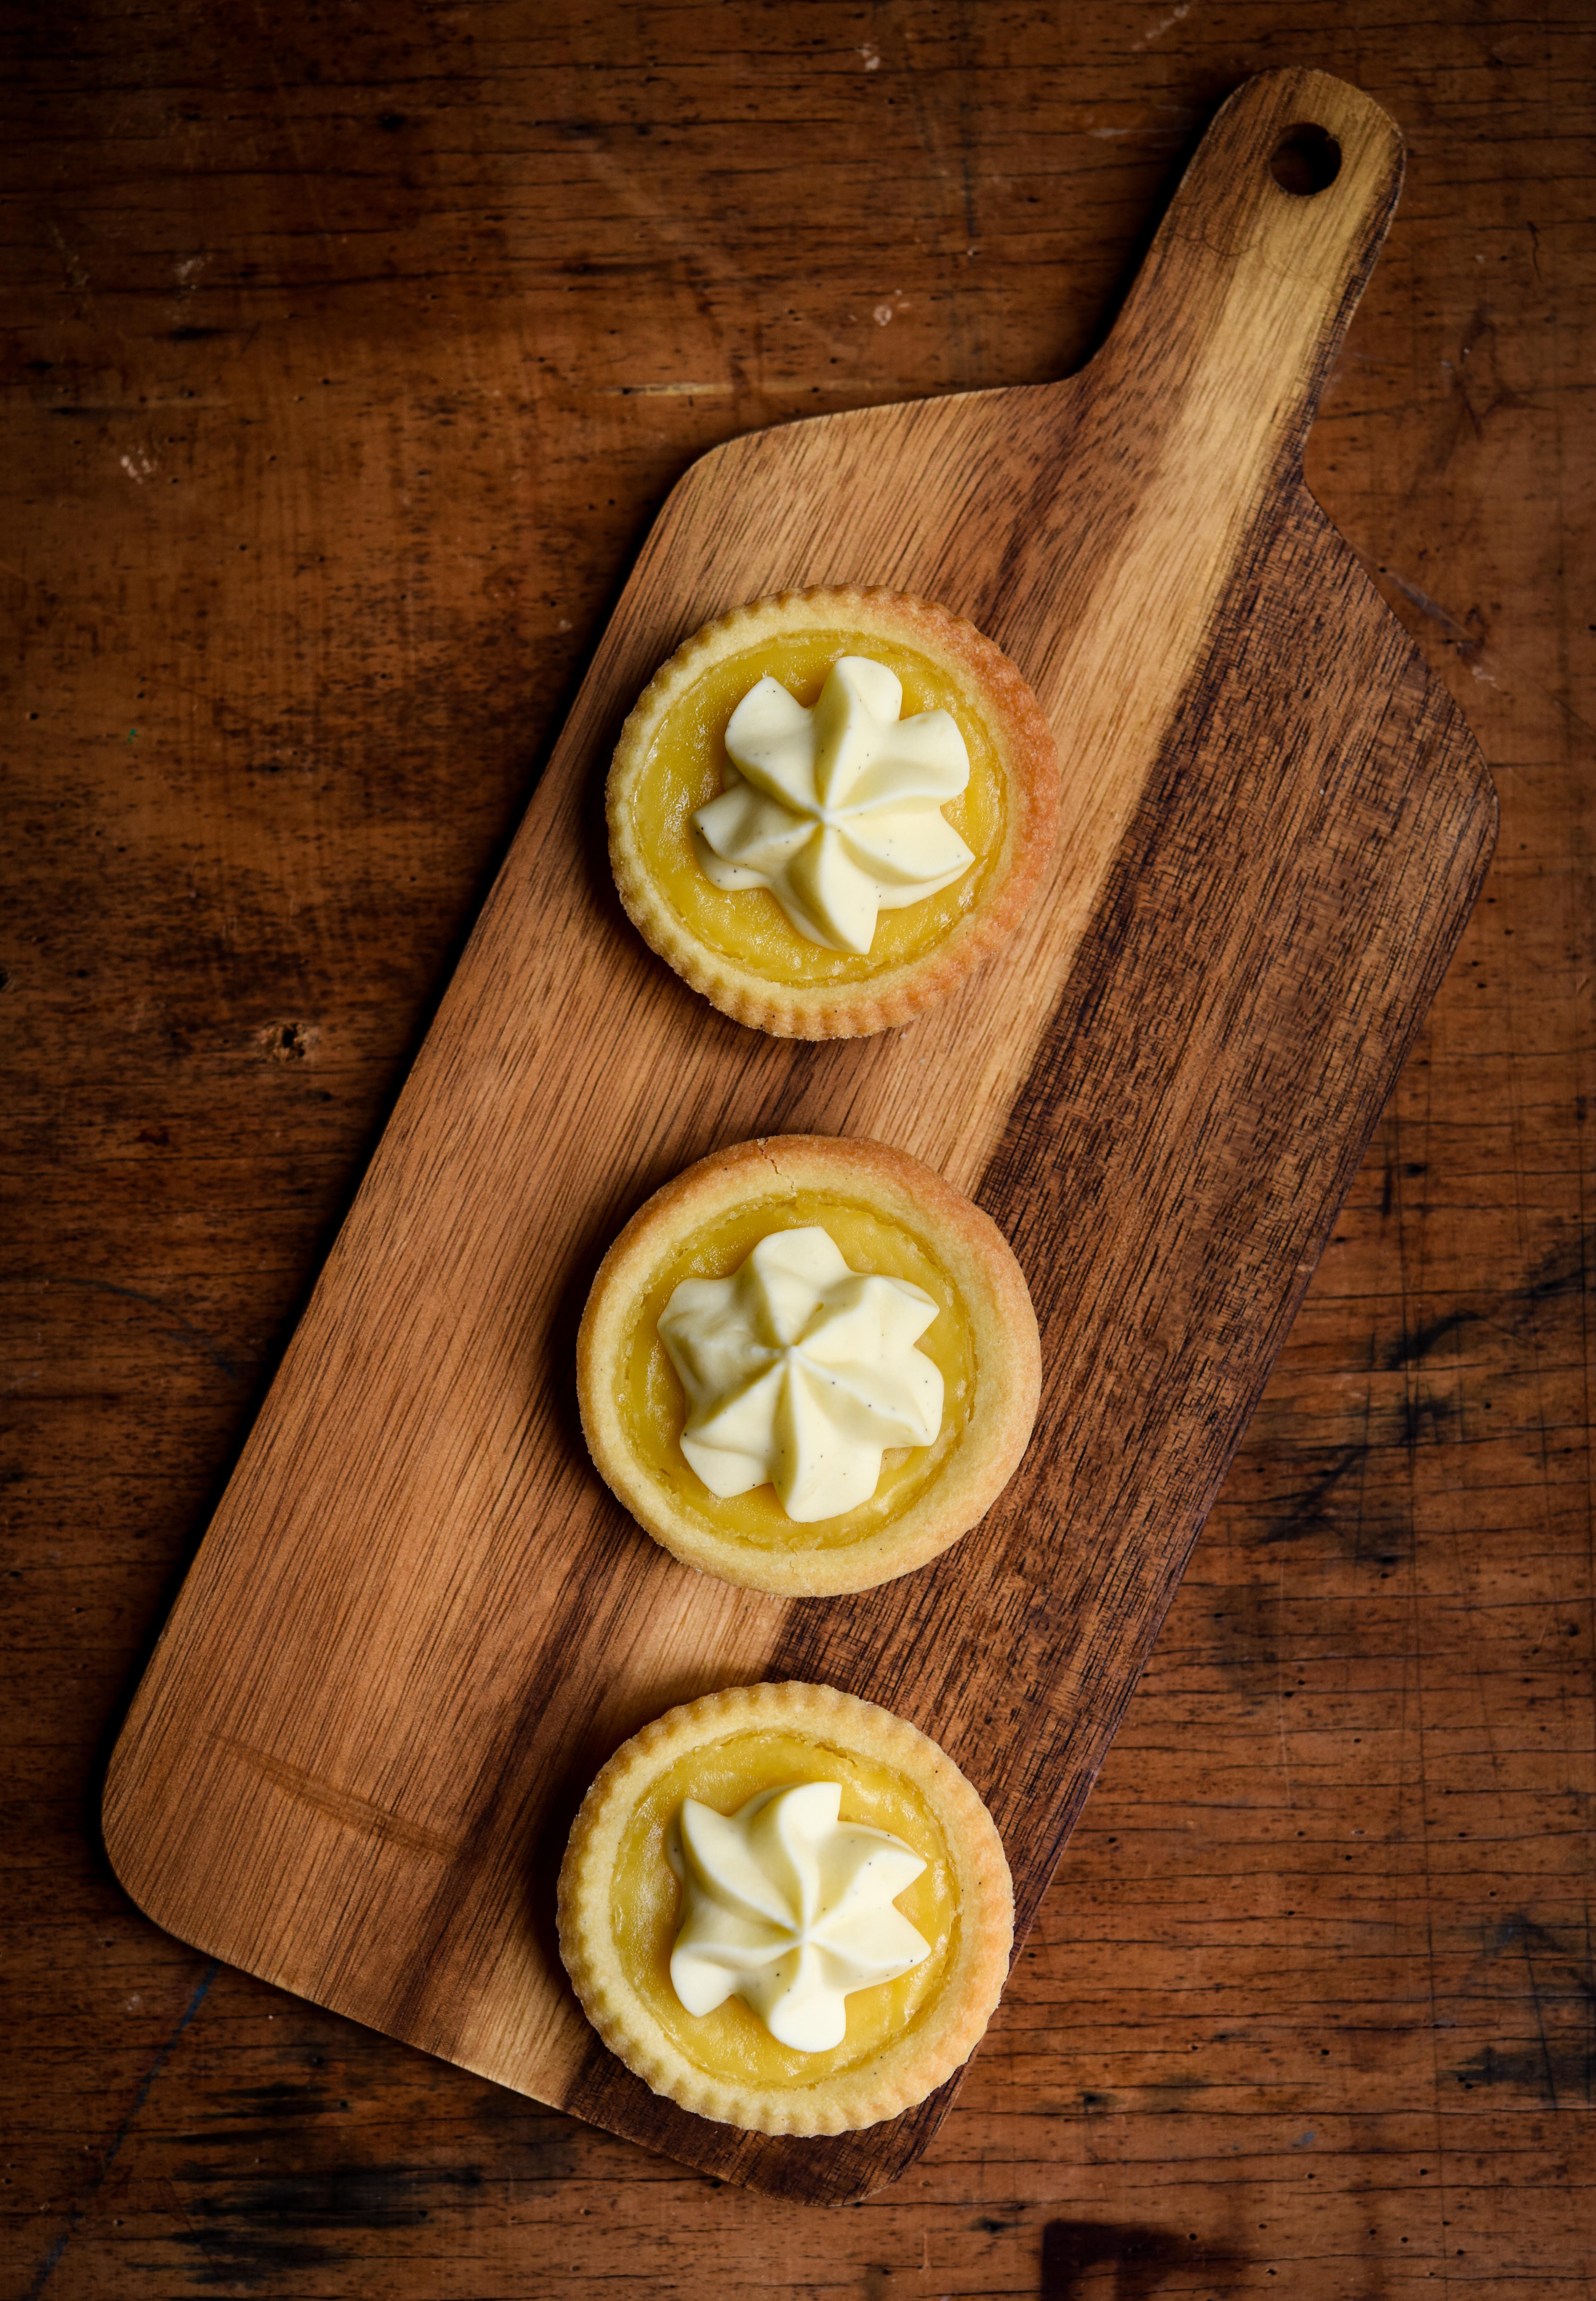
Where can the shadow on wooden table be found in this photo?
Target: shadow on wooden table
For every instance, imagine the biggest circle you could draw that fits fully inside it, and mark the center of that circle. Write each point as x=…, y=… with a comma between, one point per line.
x=1140, y=2257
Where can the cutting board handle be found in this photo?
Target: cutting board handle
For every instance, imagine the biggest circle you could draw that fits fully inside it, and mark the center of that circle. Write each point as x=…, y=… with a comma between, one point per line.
x=1260, y=259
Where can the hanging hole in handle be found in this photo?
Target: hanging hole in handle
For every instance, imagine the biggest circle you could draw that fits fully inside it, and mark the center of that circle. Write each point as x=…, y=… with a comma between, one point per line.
x=1306, y=161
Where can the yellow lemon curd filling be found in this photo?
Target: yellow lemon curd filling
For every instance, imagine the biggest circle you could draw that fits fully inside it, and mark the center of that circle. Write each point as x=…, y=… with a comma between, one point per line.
x=654, y=1408
x=685, y=769
x=731, y=2043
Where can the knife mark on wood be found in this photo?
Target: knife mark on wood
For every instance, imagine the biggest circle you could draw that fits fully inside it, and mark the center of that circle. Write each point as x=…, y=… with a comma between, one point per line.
x=344, y=1805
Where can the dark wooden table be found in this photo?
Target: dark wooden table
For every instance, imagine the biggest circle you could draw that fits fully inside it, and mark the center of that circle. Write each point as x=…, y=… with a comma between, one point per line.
x=349, y=352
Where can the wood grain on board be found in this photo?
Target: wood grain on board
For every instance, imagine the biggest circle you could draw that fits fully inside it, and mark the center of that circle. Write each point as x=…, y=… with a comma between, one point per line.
x=418, y=1622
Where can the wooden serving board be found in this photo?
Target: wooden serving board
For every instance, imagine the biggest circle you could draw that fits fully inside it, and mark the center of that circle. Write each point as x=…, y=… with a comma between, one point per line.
x=418, y=1622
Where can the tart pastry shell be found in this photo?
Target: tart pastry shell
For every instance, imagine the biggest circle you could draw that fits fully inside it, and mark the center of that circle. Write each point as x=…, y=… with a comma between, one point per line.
x=992, y=1292
x=912, y=2065
x=993, y=689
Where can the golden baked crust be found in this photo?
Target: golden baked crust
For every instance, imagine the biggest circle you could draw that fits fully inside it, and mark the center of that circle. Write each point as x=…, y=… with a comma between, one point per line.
x=944, y=2030
x=879, y=995
x=989, y=1288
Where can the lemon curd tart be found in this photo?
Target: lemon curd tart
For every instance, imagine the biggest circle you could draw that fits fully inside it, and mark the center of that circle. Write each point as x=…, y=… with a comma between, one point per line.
x=827, y=806
x=808, y=1365
x=764, y=1855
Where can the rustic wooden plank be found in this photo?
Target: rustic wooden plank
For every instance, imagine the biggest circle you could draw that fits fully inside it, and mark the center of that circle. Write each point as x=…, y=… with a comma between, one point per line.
x=325, y=770
x=355, y=1708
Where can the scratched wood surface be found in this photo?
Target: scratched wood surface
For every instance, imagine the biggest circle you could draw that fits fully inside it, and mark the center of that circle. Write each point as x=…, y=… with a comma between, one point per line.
x=1311, y=1997
x=418, y=1622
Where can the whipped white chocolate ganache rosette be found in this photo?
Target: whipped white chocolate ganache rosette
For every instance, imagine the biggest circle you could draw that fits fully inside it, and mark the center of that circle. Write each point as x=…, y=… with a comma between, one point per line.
x=791, y=1909
x=827, y=806
x=807, y=1364
x=786, y=1909
x=837, y=809
x=799, y=1373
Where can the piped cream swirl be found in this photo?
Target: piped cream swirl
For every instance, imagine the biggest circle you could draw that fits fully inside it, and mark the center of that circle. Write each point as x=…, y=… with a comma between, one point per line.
x=837, y=810
x=802, y=1372
x=790, y=1909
